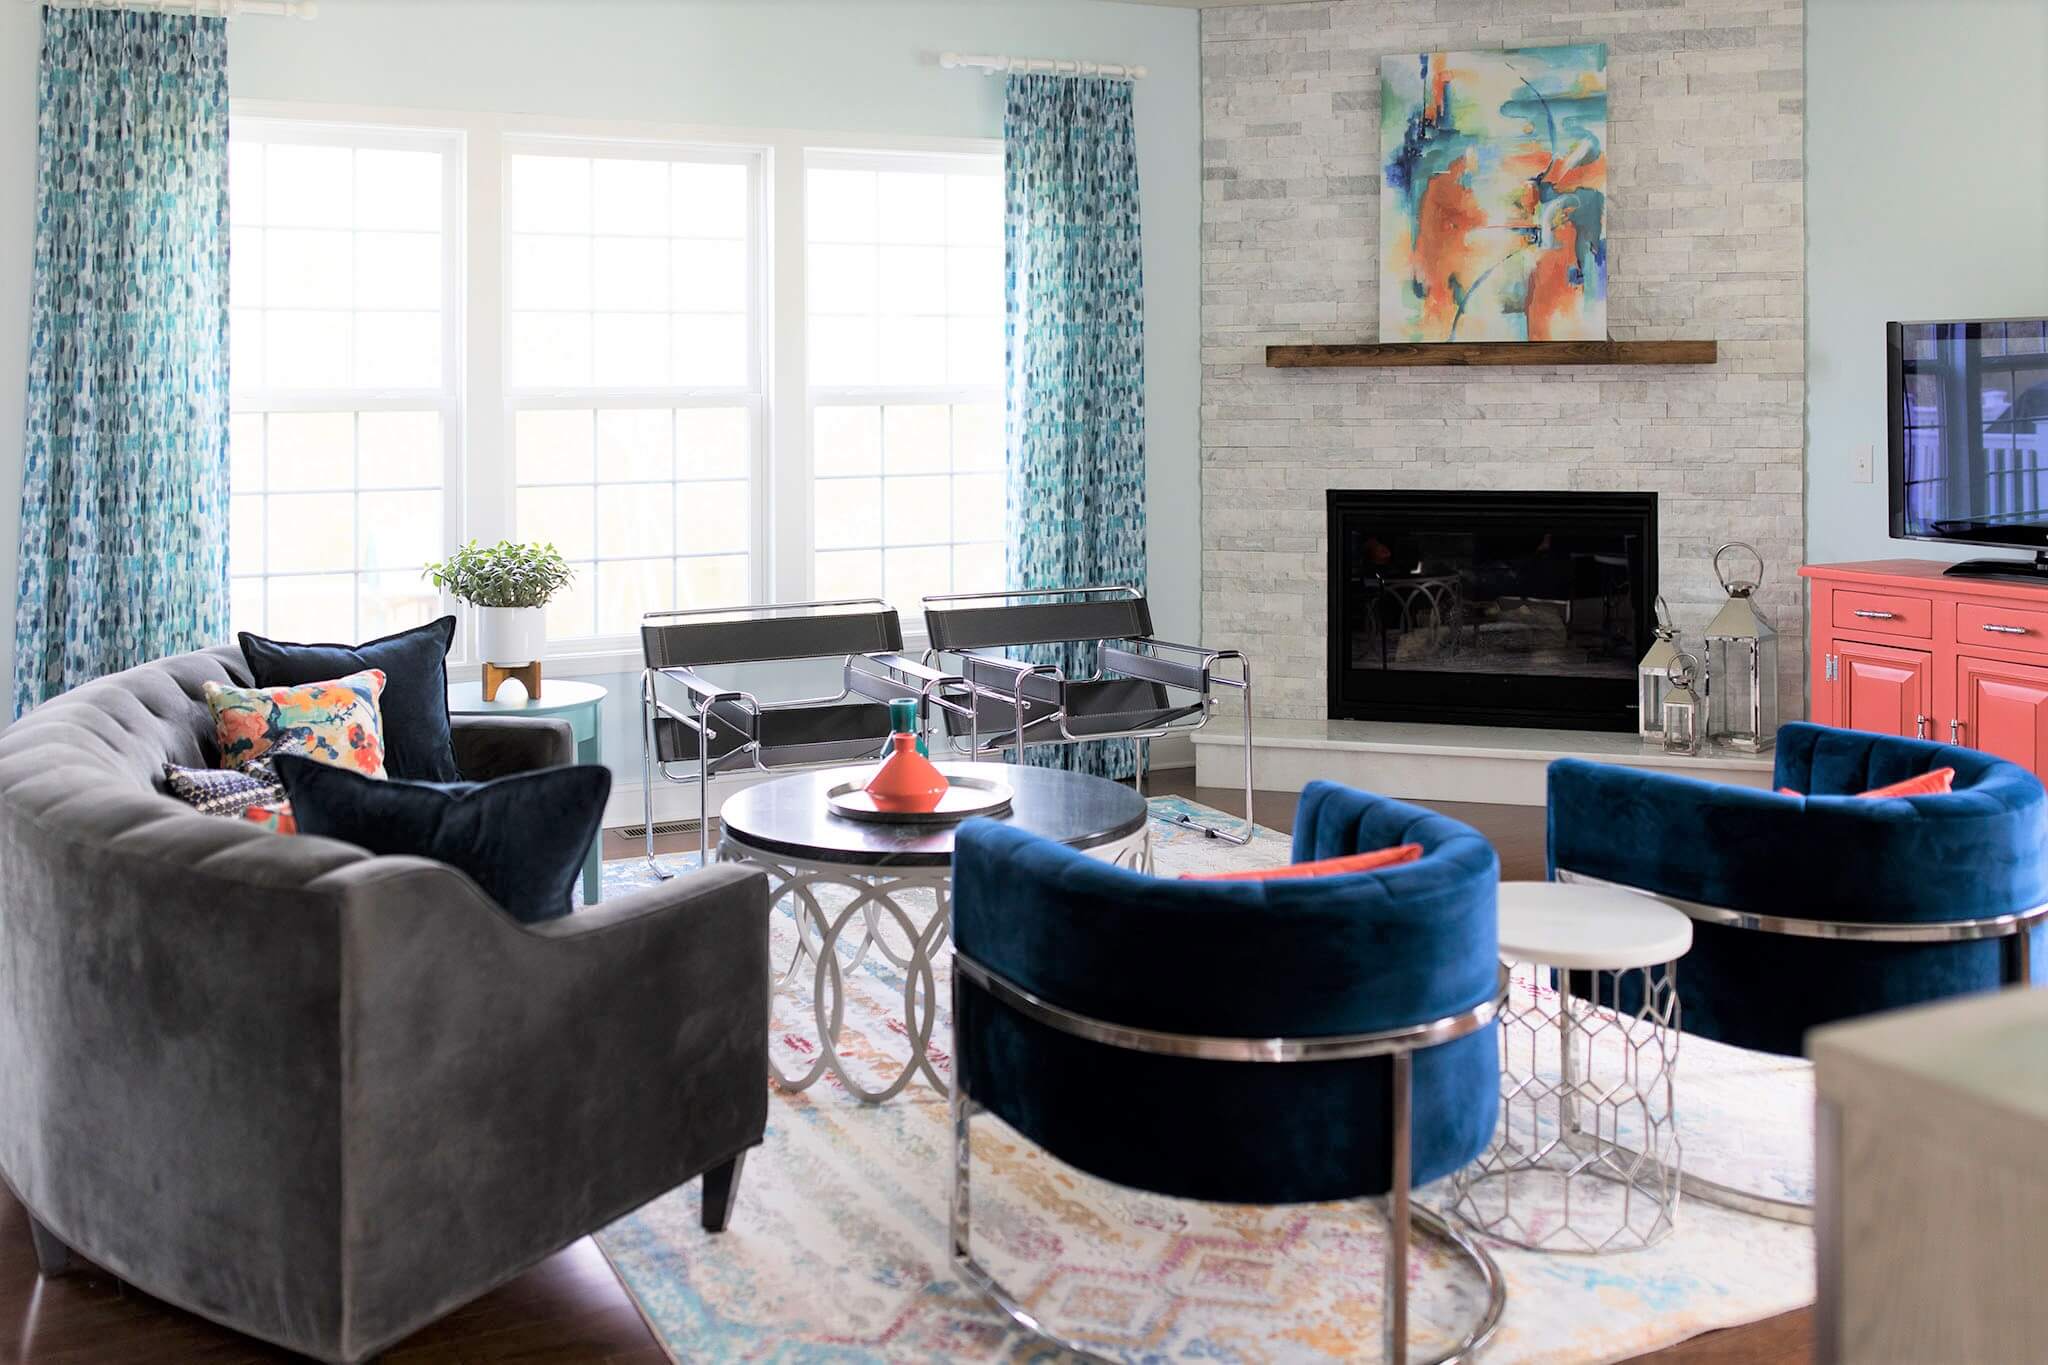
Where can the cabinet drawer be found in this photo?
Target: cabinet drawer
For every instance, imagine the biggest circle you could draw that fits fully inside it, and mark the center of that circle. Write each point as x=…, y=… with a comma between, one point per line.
x=2002, y=627
x=1884, y=613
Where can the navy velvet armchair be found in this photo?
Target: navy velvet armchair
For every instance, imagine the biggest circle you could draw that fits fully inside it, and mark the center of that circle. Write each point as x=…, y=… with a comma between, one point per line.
x=1140, y=1028
x=1814, y=908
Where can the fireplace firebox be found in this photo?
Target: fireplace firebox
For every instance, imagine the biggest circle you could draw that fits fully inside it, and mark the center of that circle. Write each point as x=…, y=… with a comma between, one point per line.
x=1490, y=608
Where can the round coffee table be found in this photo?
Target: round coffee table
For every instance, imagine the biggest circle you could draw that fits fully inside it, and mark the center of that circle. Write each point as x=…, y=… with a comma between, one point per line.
x=900, y=873
x=1615, y=1061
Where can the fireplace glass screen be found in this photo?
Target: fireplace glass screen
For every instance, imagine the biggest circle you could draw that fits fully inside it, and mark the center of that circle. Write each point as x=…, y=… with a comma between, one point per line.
x=1492, y=608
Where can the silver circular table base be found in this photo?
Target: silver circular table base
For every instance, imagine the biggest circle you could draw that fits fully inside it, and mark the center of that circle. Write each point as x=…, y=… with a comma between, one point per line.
x=1559, y=1175
x=916, y=902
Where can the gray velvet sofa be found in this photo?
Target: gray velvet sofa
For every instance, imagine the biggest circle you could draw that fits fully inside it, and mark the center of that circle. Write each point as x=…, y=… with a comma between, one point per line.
x=324, y=1097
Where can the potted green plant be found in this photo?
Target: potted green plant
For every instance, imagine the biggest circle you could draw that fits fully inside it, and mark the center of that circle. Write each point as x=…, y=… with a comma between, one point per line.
x=509, y=585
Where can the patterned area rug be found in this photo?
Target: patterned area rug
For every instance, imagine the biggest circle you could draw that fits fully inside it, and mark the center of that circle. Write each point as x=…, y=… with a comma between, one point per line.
x=838, y=1245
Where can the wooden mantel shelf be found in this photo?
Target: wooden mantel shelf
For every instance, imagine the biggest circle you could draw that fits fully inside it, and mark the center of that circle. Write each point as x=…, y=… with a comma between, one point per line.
x=1403, y=354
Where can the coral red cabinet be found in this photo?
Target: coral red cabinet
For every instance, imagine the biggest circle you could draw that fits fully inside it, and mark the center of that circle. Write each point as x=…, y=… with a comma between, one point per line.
x=2002, y=708
x=1901, y=648
x=1884, y=689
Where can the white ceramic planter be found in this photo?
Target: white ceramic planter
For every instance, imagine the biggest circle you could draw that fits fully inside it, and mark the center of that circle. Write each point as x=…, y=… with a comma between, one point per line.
x=511, y=637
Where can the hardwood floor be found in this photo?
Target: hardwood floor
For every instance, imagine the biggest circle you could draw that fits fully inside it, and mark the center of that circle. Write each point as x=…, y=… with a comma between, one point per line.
x=570, y=1307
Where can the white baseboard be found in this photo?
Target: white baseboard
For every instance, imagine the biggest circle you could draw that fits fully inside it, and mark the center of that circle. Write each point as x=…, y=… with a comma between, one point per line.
x=1177, y=751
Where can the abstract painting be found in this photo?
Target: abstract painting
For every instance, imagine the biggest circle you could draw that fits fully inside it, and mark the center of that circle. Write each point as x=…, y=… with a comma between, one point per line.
x=1493, y=198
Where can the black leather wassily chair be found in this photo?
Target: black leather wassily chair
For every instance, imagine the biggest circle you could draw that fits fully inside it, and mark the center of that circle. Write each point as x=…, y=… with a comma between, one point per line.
x=693, y=730
x=1144, y=689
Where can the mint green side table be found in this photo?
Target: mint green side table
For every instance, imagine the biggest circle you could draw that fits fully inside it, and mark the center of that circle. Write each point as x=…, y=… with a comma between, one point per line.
x=579, y=703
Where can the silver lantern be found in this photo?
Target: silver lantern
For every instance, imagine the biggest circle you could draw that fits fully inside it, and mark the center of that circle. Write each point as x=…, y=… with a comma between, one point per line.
x=1684, y=714
x=1742, y=663
x=1653, y=675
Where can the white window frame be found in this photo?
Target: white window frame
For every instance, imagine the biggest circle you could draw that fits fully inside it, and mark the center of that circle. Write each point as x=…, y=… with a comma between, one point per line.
x=480, y=480
x=883, y=396
x=752, y=395
x=273, y=125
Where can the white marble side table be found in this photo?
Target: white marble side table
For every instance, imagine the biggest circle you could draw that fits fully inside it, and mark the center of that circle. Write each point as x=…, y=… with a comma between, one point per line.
x=1586, y=1155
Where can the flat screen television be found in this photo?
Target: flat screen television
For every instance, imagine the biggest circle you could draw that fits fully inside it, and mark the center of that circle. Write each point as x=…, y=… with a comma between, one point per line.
x=1969, y=436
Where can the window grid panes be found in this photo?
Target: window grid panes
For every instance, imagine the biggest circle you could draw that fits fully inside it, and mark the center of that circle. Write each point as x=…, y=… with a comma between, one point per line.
x=909, y=500
x=904, y=295
x=340, y=295
x=651, y=505
x=629, y=273
x=633, y=328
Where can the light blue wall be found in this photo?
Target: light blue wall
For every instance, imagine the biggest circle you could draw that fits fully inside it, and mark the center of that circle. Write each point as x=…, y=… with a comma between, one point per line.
x=1926, y=197
x=815, y=65
x=854, y=66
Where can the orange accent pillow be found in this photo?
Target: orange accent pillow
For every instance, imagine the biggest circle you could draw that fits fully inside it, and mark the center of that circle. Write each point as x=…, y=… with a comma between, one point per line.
x=1934, y=782
x=1325, y=867
x=275, y=816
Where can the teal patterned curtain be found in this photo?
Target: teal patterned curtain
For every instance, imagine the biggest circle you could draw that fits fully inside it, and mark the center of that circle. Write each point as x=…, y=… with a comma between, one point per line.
x=1075, y=405
x=124, y=488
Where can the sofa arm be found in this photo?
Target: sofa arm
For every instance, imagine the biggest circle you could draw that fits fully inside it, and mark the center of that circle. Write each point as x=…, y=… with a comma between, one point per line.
x=513, y=1087
x=498, y=746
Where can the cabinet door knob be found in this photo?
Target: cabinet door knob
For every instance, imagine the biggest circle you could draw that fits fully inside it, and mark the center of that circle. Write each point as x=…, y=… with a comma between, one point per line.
x=1955, y=728
x=1996, y=629
x=1920, y=726
x=1882, y=616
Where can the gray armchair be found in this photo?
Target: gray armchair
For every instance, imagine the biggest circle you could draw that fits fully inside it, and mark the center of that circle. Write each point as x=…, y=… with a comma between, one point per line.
x=324, y=1097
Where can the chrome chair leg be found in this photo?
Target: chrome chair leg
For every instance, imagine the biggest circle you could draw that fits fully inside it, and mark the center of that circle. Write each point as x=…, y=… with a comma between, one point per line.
x=647, y=768
x=703, y=794
x=1243, y=834
x=1395, y=1313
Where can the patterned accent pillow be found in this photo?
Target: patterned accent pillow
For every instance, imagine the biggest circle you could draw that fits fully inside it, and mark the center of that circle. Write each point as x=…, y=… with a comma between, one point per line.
x=339, y=721
x=230, y=791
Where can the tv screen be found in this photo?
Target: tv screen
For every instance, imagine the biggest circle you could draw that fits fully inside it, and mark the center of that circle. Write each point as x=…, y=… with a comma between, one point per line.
x=1969, y=431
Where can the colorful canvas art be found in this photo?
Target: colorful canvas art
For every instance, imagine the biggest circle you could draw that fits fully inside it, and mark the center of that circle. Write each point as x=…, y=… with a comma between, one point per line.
x=1493, y=203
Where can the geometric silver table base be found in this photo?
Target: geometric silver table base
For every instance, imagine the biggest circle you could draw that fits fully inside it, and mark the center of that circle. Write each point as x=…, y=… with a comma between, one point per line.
x=904, y=913
x=1586, y=1155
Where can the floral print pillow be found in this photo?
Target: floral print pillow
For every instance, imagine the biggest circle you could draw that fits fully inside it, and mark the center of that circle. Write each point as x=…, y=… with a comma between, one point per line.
x=337, y=722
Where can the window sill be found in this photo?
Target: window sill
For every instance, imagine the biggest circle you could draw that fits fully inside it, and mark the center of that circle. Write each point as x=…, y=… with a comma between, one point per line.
x=601, y=660
x=568, y=664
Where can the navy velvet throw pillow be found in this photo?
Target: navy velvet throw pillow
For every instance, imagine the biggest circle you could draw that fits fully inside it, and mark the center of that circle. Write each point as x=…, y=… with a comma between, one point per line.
x=521, y=838
x=419, y=746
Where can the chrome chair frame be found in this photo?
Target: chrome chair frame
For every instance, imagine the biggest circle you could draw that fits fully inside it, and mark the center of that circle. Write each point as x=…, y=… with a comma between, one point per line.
x=882, y=676
x=1403, y=1216
x=2016, y=970
x=1135, y=657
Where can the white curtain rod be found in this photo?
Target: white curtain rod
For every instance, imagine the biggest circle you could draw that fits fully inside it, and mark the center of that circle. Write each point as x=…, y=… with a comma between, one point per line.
x=1051, y=66
x=222, y=9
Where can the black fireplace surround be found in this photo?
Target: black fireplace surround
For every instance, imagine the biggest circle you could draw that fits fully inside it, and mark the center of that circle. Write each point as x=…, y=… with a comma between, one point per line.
x=1491, y=607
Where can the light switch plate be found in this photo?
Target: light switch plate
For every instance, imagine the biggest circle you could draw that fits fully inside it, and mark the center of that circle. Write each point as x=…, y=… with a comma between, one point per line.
x=1859, y=469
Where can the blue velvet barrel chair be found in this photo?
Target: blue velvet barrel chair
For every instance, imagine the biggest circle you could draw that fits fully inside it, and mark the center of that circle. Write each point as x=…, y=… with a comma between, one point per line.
x=1267, y=1042
x=1824, y=906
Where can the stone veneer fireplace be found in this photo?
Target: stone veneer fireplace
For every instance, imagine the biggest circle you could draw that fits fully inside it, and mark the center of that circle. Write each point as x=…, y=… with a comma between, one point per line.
x=1490, y=607
x=1706, y=238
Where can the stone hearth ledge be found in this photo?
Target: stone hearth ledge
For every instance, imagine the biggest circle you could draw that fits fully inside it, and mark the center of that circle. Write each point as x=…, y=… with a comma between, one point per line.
x=1417, y=762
